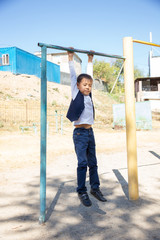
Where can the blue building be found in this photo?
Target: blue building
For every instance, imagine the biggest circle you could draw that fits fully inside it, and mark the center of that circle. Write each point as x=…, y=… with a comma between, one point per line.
x=18, y=61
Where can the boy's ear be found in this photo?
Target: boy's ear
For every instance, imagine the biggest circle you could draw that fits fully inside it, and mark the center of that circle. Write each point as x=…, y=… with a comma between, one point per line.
x=77, y=85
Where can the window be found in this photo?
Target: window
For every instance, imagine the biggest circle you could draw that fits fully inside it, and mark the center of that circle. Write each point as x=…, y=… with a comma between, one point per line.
x=5, y=59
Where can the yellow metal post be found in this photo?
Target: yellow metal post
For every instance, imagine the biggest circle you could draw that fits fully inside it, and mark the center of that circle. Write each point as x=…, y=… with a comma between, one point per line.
x=130, y=118
x=146, y=43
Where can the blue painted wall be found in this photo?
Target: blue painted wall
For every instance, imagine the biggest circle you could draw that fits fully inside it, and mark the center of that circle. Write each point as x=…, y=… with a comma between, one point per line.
x=27, y=63
x=22, y=62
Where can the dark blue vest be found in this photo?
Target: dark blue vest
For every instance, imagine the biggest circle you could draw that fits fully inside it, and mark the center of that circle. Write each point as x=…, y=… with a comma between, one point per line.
x=76, y=107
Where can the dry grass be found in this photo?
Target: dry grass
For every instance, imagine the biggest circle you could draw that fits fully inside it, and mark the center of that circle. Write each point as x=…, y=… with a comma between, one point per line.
x=20, y=103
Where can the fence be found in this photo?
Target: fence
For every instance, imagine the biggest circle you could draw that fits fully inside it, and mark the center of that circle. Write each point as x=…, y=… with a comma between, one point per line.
x=19, y=112
x=28, y=114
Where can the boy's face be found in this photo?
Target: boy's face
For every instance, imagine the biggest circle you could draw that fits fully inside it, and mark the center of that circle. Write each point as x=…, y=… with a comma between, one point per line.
x=85, y=86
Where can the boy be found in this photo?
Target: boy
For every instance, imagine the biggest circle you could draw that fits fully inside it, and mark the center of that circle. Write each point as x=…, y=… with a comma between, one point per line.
x=81, y=111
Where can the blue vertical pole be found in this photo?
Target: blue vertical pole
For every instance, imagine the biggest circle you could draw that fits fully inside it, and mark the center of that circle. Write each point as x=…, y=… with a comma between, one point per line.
x=56, y=115
x=43, y=136
x=61, y=124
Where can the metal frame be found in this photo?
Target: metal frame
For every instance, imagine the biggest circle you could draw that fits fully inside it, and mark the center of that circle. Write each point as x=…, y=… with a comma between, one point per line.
x=146, y=43
x=80, y=51
x=43, y=145
x=43, y=135
x=130, y=116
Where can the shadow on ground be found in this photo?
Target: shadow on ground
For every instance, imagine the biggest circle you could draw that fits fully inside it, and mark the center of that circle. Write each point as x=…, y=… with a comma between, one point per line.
x=67, y=219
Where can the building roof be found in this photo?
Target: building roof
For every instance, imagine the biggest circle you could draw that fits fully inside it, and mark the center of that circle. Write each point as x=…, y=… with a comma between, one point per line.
x=147, y=78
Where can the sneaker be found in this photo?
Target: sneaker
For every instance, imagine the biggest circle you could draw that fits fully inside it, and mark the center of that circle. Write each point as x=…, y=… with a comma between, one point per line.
x=97, y=194
x=84, y=198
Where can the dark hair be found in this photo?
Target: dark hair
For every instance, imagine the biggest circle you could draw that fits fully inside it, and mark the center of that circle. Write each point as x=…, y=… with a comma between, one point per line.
x=83, y=75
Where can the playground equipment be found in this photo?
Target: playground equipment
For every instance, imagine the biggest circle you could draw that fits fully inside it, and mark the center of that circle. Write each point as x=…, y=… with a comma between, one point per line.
x=130, y=118
x=79, y=50
x=56, y=115
x=44, y=117
x=129, y=109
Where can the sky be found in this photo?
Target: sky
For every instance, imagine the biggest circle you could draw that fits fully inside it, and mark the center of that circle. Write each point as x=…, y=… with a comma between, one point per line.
x=98, y=25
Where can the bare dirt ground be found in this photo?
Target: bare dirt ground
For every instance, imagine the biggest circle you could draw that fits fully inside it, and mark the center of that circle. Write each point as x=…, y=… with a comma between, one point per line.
x=19, y=150
x=66, y=218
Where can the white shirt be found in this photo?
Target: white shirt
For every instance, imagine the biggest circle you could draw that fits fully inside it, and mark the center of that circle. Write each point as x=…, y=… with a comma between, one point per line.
x=87, y=114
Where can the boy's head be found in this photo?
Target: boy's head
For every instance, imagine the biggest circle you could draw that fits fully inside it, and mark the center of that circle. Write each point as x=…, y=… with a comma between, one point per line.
x=84, y=83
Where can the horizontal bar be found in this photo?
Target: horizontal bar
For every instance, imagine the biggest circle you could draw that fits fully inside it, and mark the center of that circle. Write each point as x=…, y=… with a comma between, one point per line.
x=147, y=43
x=80, y=51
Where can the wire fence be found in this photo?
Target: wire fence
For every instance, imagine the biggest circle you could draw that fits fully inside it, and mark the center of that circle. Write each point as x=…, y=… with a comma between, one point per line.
x=19, y=112
x=24, y=115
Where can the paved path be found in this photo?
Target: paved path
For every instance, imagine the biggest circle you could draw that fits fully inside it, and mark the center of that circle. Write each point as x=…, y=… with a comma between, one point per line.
x=67, y=219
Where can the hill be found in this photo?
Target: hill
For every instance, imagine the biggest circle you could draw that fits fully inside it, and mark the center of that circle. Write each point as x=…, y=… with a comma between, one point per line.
x=22, y=89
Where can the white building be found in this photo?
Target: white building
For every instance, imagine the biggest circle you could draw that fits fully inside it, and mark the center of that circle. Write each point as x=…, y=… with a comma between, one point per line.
x=154, y=61
x=154, y=65
x=62, y=60
x=148, y=88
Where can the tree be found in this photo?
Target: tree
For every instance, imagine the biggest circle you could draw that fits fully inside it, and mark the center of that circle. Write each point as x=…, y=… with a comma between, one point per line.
x=109, y=72
x=118, y=73
x=100, y=69
x=117, y=65
x=138, y=73
x=103, y=70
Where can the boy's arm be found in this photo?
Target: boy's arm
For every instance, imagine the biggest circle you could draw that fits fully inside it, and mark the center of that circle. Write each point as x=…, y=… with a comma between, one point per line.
x=90, y=65
x=74, y=88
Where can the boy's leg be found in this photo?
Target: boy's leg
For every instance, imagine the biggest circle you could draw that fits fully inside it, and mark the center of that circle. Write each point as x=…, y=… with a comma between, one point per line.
x=81, y=144
x=92, y=163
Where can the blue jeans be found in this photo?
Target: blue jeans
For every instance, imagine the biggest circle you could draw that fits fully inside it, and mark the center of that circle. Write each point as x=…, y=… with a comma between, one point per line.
x=84, y=143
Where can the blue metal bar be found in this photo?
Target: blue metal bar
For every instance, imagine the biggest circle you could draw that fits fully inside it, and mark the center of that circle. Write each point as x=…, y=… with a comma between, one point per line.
x=80, y=51
x=43, y=136
x=56, y=115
